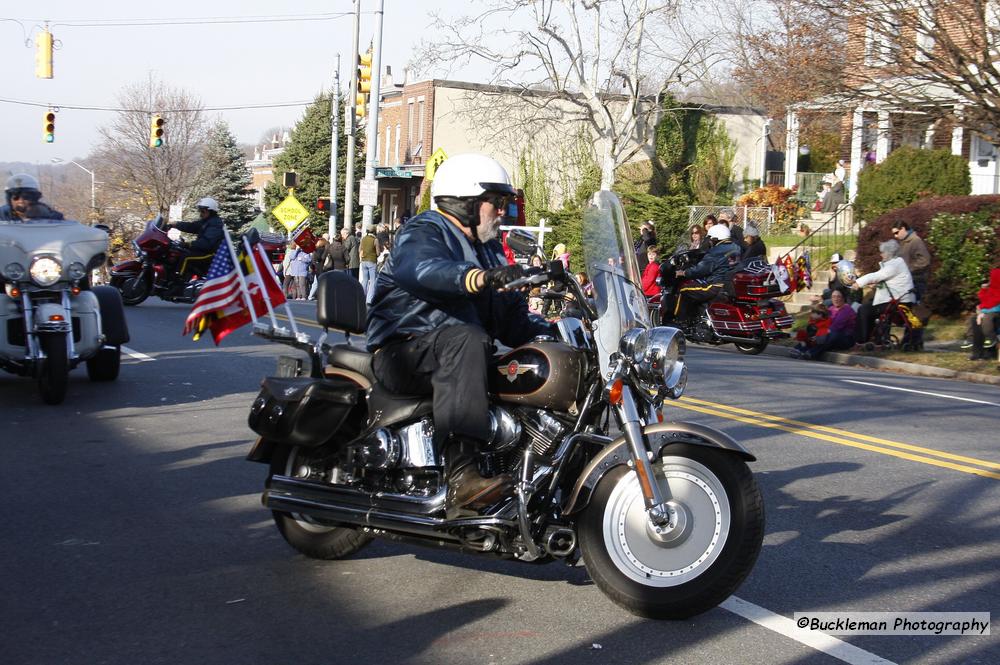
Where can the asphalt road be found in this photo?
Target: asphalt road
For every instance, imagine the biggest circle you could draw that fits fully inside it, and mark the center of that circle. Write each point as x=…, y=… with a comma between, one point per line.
x=135, y=532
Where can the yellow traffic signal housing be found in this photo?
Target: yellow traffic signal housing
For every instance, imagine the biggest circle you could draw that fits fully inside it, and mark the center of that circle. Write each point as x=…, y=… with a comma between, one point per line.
x=365, y=72
x=43, y=55
x=156, y=131
x=49, y=126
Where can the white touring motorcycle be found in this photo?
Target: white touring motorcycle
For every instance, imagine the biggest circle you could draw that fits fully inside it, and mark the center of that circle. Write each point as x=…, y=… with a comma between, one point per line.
x=51, y=319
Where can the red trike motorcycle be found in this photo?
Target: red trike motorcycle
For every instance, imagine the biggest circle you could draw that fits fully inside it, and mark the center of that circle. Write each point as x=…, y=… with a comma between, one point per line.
x=165, y=268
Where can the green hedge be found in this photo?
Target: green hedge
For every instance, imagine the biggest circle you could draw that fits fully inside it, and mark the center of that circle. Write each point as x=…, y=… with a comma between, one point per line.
x=908, y=175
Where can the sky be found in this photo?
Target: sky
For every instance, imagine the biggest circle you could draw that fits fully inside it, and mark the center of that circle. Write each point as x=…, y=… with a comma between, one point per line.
x=224, y=64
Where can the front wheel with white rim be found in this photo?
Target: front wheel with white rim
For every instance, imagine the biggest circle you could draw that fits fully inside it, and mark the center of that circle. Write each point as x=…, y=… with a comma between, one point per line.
x=307, y=536
x=696, y=560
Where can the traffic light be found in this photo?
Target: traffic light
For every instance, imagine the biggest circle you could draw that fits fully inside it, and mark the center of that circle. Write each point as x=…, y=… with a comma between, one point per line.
x=43, y=55
x=49, y=126
x=156, y=131
x=323, y=204
x=364, y=84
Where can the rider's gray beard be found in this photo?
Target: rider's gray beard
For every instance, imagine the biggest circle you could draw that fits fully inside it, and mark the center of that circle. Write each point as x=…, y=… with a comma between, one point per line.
x=489, y=231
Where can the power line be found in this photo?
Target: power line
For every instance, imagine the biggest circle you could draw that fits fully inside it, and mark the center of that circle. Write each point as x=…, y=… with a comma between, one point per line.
x=78, y=107
x=215, y=20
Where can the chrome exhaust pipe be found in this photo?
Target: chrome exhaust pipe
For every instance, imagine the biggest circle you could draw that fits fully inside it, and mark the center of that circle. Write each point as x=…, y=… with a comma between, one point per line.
x=560, y=541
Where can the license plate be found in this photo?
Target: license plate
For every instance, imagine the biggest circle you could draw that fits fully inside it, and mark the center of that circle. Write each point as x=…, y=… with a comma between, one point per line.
x=289, y=366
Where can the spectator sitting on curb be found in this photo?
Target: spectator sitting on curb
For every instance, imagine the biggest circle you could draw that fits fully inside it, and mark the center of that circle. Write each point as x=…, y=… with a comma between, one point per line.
x=982, y=325
x=817, y=327
x=840, y=335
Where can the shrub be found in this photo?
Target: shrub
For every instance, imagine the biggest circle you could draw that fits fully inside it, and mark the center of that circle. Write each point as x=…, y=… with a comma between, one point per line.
x=781, y=200
x=944, y=241
x=907, y=175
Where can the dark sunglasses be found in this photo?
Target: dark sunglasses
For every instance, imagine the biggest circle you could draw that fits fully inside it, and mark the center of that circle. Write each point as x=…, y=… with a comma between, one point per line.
x=27, y=195
x=497, y=200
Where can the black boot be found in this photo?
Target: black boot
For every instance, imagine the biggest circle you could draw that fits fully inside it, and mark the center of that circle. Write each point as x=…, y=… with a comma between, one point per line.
x=977, y=354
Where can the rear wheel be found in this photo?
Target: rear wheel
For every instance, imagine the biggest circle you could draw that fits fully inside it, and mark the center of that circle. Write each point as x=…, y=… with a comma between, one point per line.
x=104, y=366
x=53, y=375
x=134, y=289
x=315, y=540
x=751, y=348
x=696, y=561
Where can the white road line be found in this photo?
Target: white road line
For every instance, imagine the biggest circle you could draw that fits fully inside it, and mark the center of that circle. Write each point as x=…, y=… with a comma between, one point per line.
x=820, y=641
x=921, y=392
x=141, y=357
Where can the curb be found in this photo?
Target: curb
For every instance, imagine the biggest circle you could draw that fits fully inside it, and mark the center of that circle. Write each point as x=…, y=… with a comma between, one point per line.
x=914, y=369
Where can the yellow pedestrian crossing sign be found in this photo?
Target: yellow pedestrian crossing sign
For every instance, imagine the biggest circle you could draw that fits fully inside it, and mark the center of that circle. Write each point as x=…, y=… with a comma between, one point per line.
x=433, y=163
x=290, y=212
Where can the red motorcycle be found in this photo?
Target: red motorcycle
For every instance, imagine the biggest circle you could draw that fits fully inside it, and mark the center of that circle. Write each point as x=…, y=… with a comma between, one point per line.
x=746, y=314
x=165, y=268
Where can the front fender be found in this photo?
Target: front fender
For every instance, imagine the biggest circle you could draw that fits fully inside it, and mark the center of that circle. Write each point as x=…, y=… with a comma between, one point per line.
x=129, y=268
x=659, y=436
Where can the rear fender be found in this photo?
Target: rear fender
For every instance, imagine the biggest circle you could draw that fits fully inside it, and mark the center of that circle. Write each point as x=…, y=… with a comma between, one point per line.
x=262, y=451
x=660, y=436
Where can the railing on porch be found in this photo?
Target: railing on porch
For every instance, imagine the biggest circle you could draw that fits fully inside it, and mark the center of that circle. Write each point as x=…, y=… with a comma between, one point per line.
x=809, y=186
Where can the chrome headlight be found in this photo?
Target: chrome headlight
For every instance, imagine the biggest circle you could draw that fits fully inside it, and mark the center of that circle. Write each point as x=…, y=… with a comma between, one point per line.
x=45, y=270
x=662, y=364
x=76, y=270
x=633, y=344
x=14, y=272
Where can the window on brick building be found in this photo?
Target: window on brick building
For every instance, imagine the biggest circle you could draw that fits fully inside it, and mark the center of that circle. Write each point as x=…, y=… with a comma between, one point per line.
x=925, y=34
x=882, y=41
x=420, y=126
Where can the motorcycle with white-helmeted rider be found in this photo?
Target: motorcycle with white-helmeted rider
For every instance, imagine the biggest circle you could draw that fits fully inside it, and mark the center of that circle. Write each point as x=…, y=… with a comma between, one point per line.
x=51, y=318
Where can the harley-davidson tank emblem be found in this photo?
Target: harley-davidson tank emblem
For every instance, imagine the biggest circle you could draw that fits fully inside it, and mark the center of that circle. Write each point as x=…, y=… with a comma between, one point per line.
x=514, y=369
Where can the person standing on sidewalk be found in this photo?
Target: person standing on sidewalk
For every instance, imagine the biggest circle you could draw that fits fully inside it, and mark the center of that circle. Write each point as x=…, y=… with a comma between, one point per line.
x=913, y=250
x=369, y=258
x=351, y=251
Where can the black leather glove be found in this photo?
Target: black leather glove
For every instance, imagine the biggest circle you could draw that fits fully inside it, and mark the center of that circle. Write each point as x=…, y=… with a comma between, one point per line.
x=497, y=278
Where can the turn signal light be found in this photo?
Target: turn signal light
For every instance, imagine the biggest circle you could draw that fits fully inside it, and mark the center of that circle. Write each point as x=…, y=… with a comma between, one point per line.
x=56, y=317
x=75, y=290
x=615, y=394
x=13, y=292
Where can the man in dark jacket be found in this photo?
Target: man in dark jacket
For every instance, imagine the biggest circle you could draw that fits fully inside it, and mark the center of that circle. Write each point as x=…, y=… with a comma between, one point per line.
x=22, y=192
x=706, y=279
x=753, y=246
x=437, y=307
x=208, y=228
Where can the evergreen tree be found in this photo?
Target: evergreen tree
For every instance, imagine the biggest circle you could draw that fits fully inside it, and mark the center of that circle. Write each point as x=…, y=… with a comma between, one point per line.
x=225, y=177
x=308, y=154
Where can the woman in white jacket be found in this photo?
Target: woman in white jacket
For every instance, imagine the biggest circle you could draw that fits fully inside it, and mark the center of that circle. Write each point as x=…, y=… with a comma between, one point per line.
x=892, y=280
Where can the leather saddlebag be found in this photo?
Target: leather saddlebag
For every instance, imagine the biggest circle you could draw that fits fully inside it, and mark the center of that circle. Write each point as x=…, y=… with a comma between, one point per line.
x=302, y=411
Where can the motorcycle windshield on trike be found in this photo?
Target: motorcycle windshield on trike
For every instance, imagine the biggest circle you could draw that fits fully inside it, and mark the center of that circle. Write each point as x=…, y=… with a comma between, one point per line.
x=613, y=270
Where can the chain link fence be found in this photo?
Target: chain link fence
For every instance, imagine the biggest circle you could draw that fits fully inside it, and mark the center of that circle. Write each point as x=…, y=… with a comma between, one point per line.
x=762, y=218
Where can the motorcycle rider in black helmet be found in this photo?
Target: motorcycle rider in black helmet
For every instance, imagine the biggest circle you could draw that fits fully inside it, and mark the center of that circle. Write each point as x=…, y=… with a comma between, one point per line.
x=22, y=192
x=437, y=308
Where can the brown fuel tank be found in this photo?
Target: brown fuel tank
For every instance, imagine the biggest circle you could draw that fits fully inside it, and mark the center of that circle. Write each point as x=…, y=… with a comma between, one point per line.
x=547, y=375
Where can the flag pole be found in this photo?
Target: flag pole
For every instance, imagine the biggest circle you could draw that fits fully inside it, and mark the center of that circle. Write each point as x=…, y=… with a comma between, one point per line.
x=239, y=275
x=255, y=256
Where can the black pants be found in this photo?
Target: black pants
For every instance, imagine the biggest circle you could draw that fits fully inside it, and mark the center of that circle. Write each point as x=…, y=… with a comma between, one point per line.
x=695, y=290
x=449, y=363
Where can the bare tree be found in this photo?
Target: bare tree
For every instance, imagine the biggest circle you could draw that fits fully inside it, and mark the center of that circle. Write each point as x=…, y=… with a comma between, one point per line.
x=142, y=179
x=600, y=63
x=938, y=57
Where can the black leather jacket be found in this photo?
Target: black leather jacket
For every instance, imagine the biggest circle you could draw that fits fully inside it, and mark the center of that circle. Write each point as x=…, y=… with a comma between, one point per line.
x=7, y=214
x=423, y=287
x=209, y=230
x=717, y=263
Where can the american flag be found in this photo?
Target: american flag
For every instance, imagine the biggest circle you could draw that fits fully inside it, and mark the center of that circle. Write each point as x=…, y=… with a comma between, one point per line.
x=222, y=290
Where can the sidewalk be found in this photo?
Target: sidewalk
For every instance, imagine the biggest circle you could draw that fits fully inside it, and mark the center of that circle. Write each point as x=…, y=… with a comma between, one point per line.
x=914, y=369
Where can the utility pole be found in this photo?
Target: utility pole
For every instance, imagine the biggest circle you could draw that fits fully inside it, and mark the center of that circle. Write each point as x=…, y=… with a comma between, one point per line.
x=334, y=149
x=352, y=125
x=372, y=133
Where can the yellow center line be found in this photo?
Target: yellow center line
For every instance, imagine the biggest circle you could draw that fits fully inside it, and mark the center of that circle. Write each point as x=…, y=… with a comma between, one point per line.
x=840, y=432
x=804, y=429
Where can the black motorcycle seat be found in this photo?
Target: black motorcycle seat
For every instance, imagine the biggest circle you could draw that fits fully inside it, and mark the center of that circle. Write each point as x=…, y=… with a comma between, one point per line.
x=389, y=408
x=354, y=359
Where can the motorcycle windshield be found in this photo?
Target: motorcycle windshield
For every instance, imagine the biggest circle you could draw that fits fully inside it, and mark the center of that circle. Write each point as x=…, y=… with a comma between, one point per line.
x=612, y=268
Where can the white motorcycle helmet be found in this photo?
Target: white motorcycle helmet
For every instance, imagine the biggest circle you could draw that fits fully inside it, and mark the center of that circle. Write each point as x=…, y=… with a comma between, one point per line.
x=209, y=203
x=719, y=232
x=22, y=182
x=462, y=181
